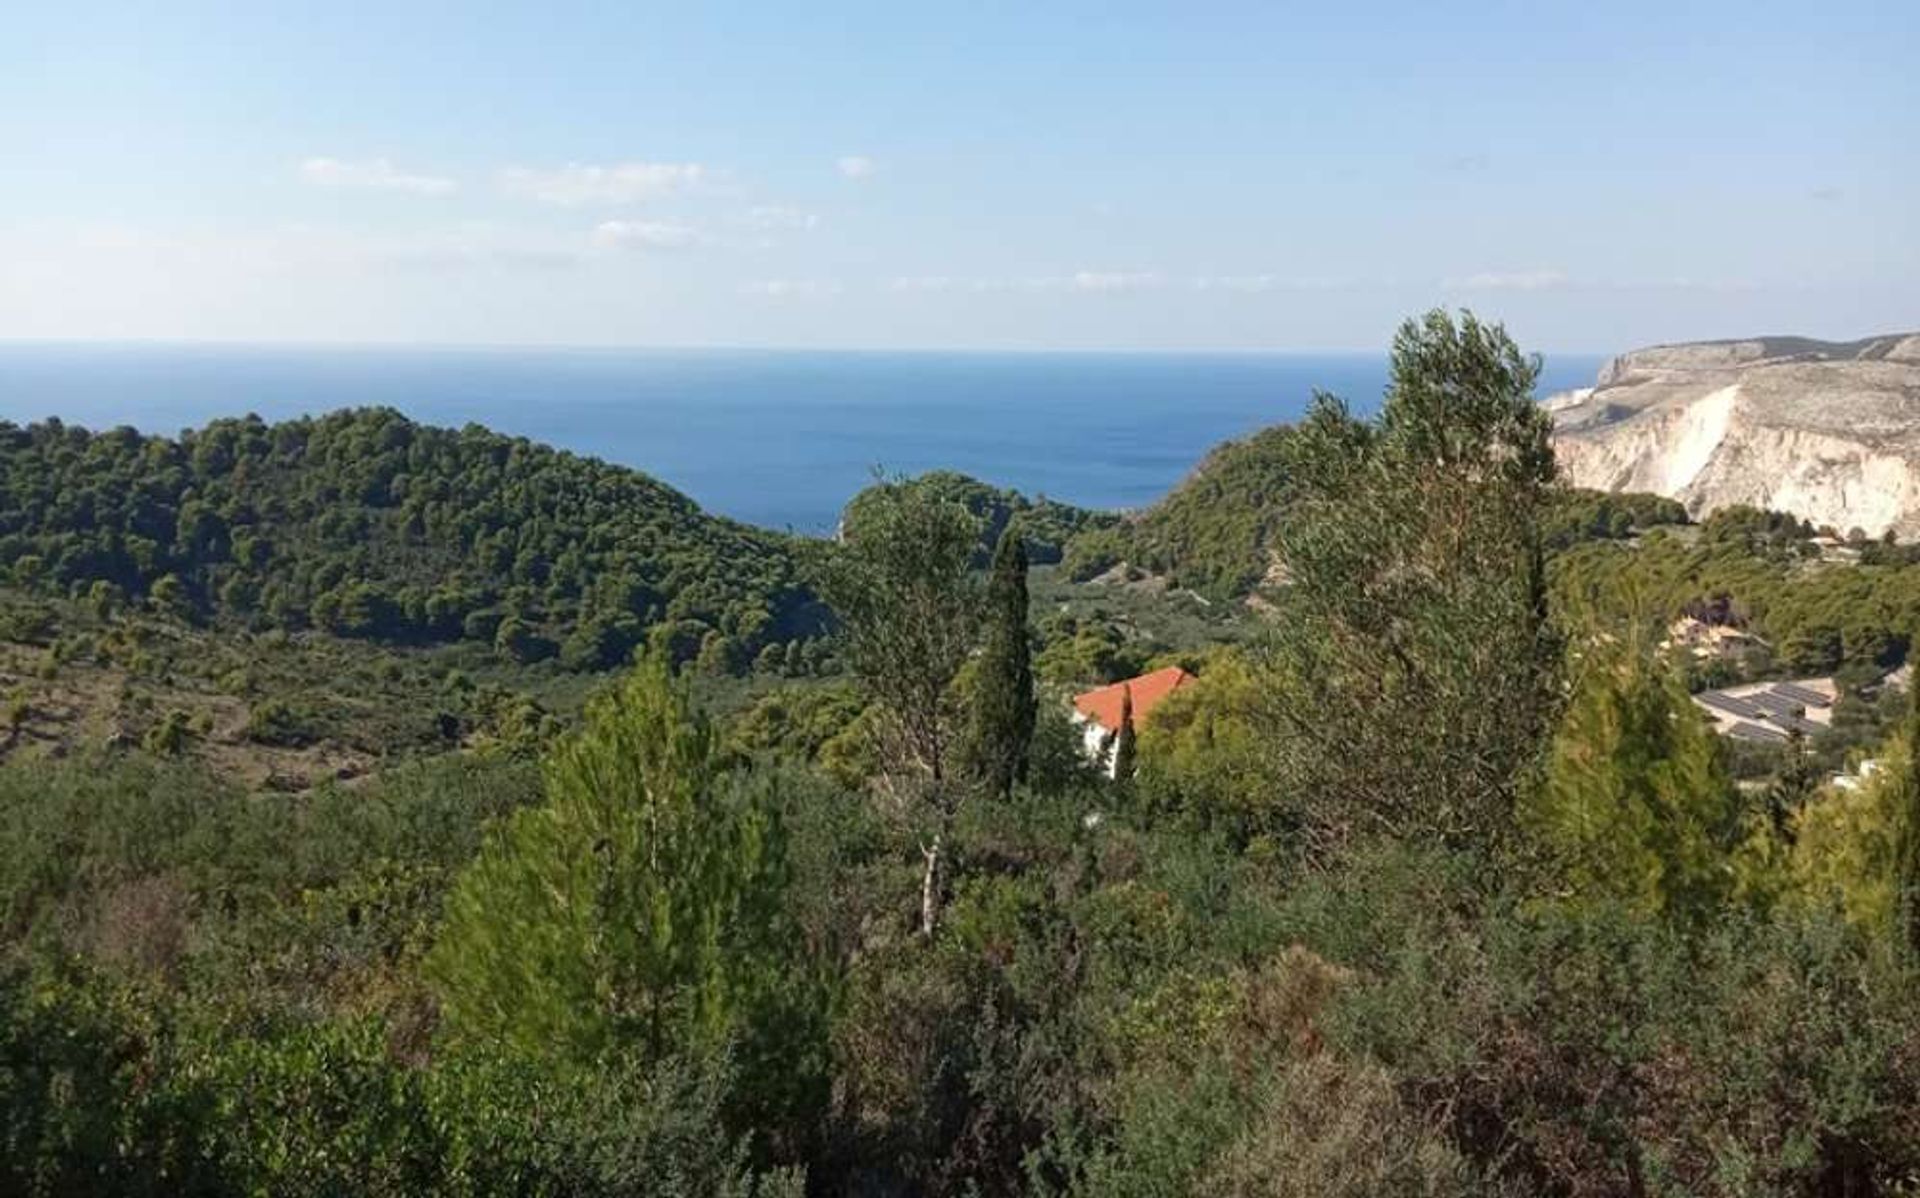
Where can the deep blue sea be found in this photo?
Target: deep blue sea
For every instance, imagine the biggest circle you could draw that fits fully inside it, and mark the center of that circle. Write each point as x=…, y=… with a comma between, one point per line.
x=778, y=438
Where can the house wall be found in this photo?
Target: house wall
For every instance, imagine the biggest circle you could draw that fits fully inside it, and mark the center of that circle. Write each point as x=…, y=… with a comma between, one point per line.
x=1096, y=743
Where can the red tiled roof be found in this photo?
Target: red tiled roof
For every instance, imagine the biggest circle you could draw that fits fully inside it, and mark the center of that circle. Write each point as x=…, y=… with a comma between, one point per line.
x=1102, y=705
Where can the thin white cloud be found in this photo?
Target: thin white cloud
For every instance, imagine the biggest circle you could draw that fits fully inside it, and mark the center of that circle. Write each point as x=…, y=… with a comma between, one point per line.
x=1082, y=281
x=373, y=174
x=647, y=234
x=1524, y=280
x=925, y=283
x=1113, y=280
x=1241, y=283
x=792, y=288
x=856, y=166
x=777, y=217
x=578, y=184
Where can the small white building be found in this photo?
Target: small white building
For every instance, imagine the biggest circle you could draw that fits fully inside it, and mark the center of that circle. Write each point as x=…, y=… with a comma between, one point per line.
x=1099, y=712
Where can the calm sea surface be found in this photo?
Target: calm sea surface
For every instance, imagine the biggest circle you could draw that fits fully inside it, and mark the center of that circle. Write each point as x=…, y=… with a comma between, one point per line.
x=777, y=438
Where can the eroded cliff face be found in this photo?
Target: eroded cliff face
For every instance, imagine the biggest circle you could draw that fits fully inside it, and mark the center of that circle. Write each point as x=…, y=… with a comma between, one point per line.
x=1827, y=431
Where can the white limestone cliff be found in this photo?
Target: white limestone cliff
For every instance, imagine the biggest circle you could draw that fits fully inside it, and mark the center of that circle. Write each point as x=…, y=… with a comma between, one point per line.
x=1829, y=432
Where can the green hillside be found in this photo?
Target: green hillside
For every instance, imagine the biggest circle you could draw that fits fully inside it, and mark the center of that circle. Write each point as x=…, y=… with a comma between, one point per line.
x=1047, y=525
x=366, y=524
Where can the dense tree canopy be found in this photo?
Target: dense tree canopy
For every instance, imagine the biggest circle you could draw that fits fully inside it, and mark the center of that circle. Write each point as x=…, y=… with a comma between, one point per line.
x=1046, y=525
x=366, y=524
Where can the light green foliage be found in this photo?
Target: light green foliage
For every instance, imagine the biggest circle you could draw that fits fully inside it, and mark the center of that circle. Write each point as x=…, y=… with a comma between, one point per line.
x=1082, y=653
x=169, y=736
x=1636, y=807
x=904, y=589
x=638, y=908
x=1201, y=750
x=1858, y=848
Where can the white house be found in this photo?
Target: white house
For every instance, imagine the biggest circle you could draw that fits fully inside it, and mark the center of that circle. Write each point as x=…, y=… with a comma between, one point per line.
x=1098, y=712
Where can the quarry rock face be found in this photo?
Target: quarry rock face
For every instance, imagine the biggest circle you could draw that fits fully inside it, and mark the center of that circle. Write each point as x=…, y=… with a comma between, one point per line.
x=1829, y=431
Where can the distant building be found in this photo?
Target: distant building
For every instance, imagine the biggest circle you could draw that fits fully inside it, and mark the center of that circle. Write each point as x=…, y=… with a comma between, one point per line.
x=1857, y=778
x=1769, y=712
x=1097, y=712
x=1705, y=639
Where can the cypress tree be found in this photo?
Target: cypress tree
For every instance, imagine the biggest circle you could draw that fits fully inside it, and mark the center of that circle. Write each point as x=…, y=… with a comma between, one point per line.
x=1123, y=741
x=1003, y=707
x=1906, y=809
x=1795, y=783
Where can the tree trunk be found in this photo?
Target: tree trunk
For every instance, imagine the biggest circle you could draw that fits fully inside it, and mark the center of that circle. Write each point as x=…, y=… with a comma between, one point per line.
x=930, y=887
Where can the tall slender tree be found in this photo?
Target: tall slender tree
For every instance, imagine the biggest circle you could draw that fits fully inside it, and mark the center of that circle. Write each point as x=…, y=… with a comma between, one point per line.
x=903, y=585
x=1906, y=809
x=1003, y=709
x=1123, y=740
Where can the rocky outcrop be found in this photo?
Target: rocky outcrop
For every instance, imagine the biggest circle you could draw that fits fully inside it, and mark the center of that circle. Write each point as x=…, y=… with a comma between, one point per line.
x=1828, y=431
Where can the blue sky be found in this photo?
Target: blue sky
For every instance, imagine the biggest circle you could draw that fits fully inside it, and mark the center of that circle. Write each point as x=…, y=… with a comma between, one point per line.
x=1058, y=175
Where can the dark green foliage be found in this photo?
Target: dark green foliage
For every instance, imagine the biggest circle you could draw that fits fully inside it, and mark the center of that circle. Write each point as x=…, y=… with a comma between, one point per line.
x=1815, y=618
x=1593, y=1051
x=1410, y=675
x=1580, y=515
x=113, y=1096
x=1124, y=747
x=1793, y=784
x=1046, y=526
x=365, y=524
x=1002, y=703
x=1217, y=530
x=1906, y=809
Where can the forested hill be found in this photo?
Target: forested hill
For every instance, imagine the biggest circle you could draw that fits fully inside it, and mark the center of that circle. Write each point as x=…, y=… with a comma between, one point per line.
x=1215, y=531
x=1219, y=531
x=364, y=523
x=1046, y=525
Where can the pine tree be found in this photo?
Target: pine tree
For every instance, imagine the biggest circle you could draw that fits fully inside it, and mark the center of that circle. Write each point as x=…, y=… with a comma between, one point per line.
x=1637, y=806
x=1123, y=747
x=638, y=909
x=1003, y=702
x=1792, y=786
